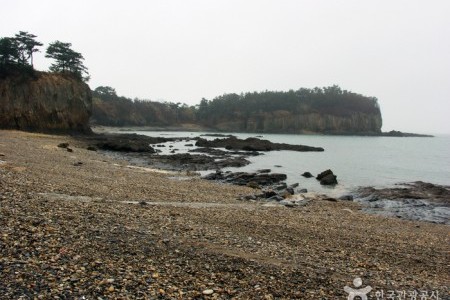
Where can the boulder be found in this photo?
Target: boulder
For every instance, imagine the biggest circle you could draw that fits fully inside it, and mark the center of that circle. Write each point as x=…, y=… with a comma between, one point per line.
x=327, y=178
x=290, y=190
x=307, y=175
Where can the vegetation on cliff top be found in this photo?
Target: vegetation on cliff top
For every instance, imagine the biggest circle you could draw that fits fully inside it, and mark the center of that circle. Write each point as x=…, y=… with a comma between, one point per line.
x=268, y=111
x=16, y=57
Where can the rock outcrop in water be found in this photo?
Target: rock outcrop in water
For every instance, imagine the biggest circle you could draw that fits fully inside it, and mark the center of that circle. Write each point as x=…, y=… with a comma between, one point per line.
x=418, y=200
x=45, y=102
x=253, y=144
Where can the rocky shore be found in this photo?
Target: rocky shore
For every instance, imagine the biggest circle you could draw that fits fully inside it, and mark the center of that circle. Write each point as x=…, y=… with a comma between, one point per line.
x=415, y=201
x=81, y=225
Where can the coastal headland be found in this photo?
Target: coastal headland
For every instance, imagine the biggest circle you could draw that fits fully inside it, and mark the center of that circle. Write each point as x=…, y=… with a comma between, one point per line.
x=75, y=223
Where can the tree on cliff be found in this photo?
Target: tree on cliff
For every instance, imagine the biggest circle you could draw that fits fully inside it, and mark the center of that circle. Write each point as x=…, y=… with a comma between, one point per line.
x=106, y=92
x=16, y=51
x=66, y=60
x=26, y=46
x=9, y=53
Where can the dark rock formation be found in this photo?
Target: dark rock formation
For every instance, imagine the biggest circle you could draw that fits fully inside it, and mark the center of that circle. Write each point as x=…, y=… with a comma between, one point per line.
x=125, y=142
x=271, y=186
x=307, y=175
x=395, y=133
x=217, y=135
x=412, y=191
x=194, y=162
x=414, y=201
x=219, y=152
x=244, y=178
x=327, y=178
x=252, y=144
x=45, y=103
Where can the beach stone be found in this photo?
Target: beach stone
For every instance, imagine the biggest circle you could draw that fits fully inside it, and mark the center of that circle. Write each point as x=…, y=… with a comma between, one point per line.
x=91, y=148
x=280, y=187
x=63, y=145
x=330, y=199
x=277, y=198
x=286, y=194
x=302, y=190
x=290, y=190
x=208, y=292
x=250, y=197
x=269, y=194
x=288, y=203
x=253, y=185
x=346, y=197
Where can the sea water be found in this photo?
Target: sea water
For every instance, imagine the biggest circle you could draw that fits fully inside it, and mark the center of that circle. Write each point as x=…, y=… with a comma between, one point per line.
x=356, y=160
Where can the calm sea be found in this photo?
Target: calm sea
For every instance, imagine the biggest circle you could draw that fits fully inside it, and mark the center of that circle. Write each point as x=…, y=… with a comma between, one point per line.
x=357, y=161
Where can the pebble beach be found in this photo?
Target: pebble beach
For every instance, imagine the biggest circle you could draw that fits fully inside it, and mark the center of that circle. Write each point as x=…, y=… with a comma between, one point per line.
x=79, y=224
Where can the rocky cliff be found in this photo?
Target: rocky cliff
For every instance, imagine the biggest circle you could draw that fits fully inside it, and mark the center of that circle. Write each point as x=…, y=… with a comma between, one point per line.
x=355, y=123
x=46, y=102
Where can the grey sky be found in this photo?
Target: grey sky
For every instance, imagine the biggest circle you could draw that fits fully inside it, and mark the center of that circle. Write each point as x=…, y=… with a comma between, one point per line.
x=183, y=50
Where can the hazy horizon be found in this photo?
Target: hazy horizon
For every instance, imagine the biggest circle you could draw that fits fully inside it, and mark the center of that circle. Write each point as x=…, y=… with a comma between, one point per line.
x=182, y=51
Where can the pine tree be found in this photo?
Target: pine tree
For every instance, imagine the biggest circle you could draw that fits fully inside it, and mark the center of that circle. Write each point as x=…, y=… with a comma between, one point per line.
x=66, y=60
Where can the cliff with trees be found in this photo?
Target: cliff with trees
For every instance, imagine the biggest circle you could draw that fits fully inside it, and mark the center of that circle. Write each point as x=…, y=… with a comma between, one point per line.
x=329, y=110
x=61, y=100
x=112, y=110
x=55, y=101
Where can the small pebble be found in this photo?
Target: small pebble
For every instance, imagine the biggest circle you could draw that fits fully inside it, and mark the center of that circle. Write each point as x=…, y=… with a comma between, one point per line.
x=208, y=292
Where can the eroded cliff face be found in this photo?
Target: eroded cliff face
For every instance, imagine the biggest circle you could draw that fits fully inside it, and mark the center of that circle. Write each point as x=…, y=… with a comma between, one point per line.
x=356, y=123
x=46, y=103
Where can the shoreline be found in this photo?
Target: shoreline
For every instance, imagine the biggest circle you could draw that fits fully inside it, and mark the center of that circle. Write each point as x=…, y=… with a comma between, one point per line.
x=84, y=241
x=197, y=128
x=418, y=204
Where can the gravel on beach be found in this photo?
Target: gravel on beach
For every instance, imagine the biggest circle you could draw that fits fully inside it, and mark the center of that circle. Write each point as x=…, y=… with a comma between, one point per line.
x=82, y=225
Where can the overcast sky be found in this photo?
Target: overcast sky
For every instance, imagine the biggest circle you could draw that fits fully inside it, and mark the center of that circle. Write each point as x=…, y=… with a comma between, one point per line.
x=183, y=50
